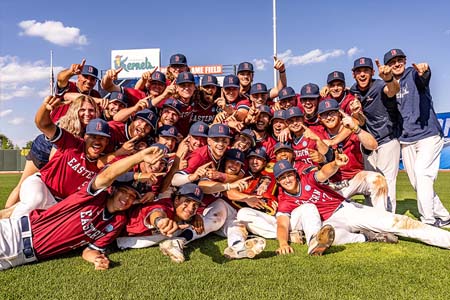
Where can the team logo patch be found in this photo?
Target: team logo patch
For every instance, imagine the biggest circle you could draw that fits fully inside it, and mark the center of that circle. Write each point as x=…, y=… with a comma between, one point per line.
x=308, y=89
x=393, y=52
x=90, y=69
x=197, y=192
x=186, y=76
x=327, y=104
x=177, y=58
x=304, y=144
x=157, y=76
x=221, y=129
x=246, y=65
x=362, y=61
x=307, y=188
x=284, y=92
x=109, y=228
x=98, y=126
x=335, y=75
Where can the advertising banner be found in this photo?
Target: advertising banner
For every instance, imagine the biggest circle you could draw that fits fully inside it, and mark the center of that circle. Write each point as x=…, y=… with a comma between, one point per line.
x=135, y=62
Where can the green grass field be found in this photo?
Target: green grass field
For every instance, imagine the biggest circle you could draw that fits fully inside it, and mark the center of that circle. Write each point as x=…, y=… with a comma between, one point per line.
x=407, y=270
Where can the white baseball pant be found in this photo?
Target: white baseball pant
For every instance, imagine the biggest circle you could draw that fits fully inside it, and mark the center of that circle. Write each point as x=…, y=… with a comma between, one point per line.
x=386, y=159
x=421, y=161
x=368, y=183
x=34, y=194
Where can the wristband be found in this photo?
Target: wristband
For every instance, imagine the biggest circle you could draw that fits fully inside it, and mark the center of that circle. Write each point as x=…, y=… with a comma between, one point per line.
x=356, y=129
x=157, y=219
x=282, y=71
x=139, y=177
x=390, y=80
x=228, y=187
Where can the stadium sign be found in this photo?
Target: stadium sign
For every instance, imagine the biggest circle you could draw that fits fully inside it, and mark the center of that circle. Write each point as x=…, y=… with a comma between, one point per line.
x=135, y=61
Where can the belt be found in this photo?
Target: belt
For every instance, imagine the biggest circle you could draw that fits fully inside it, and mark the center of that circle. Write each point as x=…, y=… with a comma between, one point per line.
x=28, y=249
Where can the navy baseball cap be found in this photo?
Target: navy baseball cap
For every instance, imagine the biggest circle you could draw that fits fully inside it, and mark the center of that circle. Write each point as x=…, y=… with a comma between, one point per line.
x=209, y=80
x=178, y=59
x=173, y=104
x=258, y=88
x=293, y=112
x=89, y=70
x=98, y=127
x=392, y=54
x=286, y=92
x=199, y=128
x=259, y=152
x=362, y=62
x=250, y=134
x=117, y=96
x=162, y=147
x=184, y=77
x=236, y=155
x=327, y=105
x=335, y=75
x=279, y=146
x=265, y=109
x=168, y=131
x=219, y=130
x=159, y=76
x=231, y=81
x=148, y=116
x=281, y=167
x=309, y=91
x=191, y=191
x=245, y=66
x=279, y=114
x=127, y=180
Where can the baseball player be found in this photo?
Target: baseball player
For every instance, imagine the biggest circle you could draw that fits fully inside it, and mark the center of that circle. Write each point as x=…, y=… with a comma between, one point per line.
x=87, y=77
x=352, y=179
x=287, y=98
x=345, y=216
x=379, y=107
x=91, y=217
x=74, y=164
x=421, y=138
x=116, y=102
x=151, y=223
x=205, y=109
x=260, y=128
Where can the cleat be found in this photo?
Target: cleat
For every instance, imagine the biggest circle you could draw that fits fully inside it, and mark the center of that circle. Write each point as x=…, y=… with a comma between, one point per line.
x=248, y=249
x=173, y=248
x=381, y=237
x=296, y=237
x=321, y=241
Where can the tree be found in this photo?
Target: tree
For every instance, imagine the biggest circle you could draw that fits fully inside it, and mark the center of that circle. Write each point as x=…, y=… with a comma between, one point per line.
x=6, y=143
x=28, y=145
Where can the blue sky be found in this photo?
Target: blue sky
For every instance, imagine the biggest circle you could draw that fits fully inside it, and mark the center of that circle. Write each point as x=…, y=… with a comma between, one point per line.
x=314, y=38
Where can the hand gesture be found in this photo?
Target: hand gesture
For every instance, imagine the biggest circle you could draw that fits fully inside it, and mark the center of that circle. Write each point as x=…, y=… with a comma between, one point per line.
x=284, y=136
x=355, y=106
x=52, y=102
x=101, y=262
x=168, y=226
x=128, y=147
x=421, y=68
x=147, y=197
x=197, y=224
x=341, y=159
x=348, y=121
x=234, y=123
x=220, y=117
x=147, y=76
x=324, y=91
x=308, y=133
x=153, y=155
x=75, y=69
x=385, y=72
x=255, y=202
x=112, y=74
x=278, y=65
x=171, y=89
x=241, y=184
x=316, y=156
x=201, y=171
x=141, y=104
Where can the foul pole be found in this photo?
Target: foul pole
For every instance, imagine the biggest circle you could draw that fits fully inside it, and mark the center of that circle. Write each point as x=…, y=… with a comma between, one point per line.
x=274, y=9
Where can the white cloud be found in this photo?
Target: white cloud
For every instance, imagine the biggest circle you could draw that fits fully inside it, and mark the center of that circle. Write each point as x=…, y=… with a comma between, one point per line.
x=313, y=56
x=353, y=51
x=54, y=32
x=16, y=121
x=5, y=112
x=18, y=92
x=260, y=64
x=16, y=77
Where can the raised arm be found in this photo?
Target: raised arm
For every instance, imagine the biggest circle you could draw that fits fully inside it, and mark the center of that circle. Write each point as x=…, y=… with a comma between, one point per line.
x=392, y=86
x=64, y=76
x=108, y=80
x=42, y=119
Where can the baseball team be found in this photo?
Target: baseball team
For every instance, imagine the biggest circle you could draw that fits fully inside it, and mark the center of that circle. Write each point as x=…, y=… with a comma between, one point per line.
x=168, y=162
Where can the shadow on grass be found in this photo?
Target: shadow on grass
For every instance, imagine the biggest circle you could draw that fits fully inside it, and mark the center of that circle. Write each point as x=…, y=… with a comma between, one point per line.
x=406, y=205
x=335, y=249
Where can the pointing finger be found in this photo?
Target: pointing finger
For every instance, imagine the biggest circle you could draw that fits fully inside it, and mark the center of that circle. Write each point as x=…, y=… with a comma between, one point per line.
x=117, y=71
x=378, y=63
x=82, y=63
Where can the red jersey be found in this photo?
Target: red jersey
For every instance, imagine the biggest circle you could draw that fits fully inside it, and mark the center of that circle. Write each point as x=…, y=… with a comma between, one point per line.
x=324, y=198
x=133, y=95
x=200, y=157
x=268, y=143
x=204, y=112
x=61, y=111
x=119, y=135
x=69, y=170
x=137, y=224
x=351, y=146
x=79, y=220
x=301, y=146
